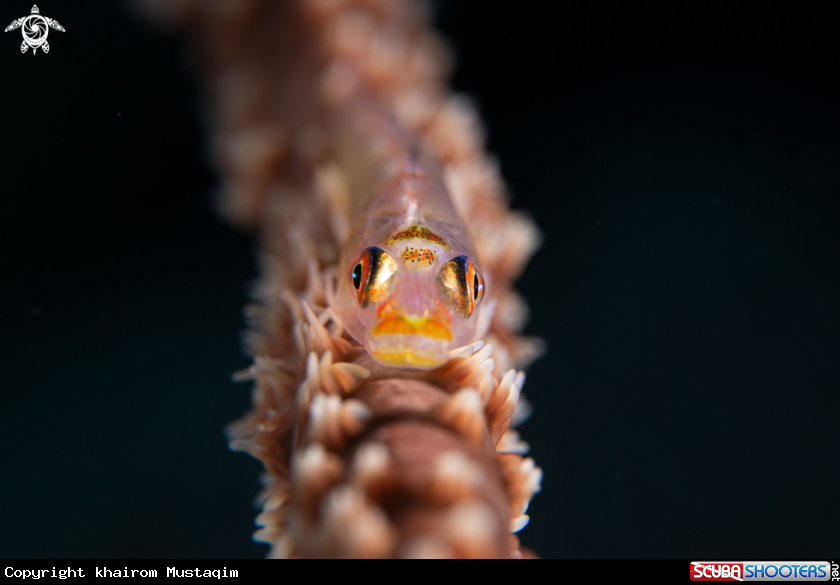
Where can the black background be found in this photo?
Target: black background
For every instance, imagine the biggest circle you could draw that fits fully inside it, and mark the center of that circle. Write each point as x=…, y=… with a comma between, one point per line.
x=684, y=166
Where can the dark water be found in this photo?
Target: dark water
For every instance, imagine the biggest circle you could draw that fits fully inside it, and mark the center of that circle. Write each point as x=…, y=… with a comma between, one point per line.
x=684, y=168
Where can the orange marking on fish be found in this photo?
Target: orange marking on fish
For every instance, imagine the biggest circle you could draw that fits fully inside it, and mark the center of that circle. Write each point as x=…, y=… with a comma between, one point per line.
x=406, y=325
x=425, y=256
x=417, y=232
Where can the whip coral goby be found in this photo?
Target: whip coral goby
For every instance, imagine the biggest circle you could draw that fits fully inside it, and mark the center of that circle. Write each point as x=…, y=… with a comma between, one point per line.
x=384, y=328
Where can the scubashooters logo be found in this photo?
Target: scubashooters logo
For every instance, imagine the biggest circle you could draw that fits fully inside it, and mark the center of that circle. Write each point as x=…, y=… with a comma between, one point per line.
x=762, y=571
x=35, y=29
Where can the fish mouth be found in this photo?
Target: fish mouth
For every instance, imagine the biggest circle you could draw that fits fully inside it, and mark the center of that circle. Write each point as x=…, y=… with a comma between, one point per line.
x=409, y=341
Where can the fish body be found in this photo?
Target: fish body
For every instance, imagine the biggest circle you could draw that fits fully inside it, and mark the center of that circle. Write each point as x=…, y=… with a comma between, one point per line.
x=409, y=283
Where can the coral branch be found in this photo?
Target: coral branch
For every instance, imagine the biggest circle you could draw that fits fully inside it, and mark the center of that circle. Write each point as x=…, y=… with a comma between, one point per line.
x=361, y=460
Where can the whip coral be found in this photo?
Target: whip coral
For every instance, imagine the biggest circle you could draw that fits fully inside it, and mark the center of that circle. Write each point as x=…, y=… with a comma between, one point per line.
x=374, y=444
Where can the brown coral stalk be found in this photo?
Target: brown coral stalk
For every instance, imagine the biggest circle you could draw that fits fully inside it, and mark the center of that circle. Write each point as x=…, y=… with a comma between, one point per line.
x=361, y=461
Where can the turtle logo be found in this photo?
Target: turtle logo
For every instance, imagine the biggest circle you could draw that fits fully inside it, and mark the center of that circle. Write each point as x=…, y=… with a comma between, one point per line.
x=35, y=29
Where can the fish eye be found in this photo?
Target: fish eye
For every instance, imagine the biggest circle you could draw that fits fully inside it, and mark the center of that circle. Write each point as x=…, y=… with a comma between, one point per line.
x=373, y=276
x=478, y=287
x=461, y=285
